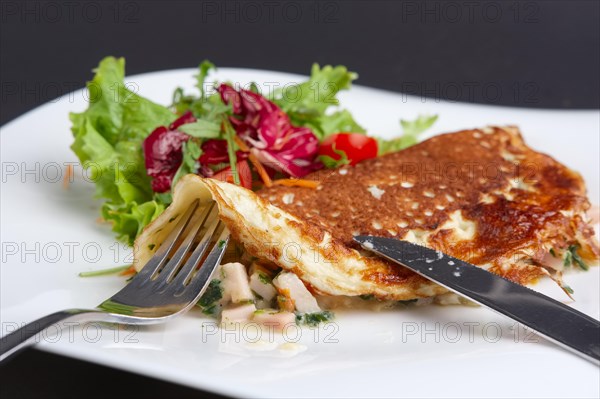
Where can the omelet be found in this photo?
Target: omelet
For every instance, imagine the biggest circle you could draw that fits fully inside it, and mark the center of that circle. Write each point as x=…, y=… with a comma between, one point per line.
x=480, y=195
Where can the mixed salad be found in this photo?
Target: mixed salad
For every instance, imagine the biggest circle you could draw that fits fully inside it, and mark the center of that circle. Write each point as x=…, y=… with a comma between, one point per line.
x=135, y=150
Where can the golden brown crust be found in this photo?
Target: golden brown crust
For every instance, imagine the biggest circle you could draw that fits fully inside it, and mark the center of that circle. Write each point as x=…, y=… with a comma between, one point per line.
x=515, y=197
x=326, y=265
x=441, y=193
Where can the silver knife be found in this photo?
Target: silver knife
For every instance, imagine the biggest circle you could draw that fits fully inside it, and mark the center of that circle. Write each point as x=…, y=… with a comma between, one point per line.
x=551, y=319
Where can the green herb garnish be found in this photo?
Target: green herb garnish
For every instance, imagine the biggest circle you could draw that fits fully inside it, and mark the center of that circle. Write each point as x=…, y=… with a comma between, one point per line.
x=204, y=68
x=307, y=103
x=203, y=129
x=411, y=130
x=104, y=272
x=332, y=163
x=568, y=258
x=264, y=278
x=209, y=300
x=571, y=257
x=575, y=258
x=231, y=147
x=314, y=319
x=567, y=289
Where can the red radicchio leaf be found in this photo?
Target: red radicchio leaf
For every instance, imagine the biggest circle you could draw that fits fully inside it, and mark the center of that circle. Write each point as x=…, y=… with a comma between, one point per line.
x=230, y=96
x=268, y=130
x=163, y=152
x=296, y=156
x=214, y=151
x=187, y=117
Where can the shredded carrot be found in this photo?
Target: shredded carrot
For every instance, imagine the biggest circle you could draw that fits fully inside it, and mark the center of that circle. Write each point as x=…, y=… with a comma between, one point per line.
x=259, y=166
x=261, y=170
x=296, y=183
x=128, y=272
x=241, y=144
x=68, y=176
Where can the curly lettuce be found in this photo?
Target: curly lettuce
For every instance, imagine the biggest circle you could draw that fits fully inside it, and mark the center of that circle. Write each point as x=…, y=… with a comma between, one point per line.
x=108, y=137
x=308, y=103
x=411, y=130
x=109, y=134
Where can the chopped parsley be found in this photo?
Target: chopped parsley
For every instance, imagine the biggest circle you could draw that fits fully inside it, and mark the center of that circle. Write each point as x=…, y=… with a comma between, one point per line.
x=571, y=257
x=264, y=278
x=314, y=319
x=567, y=289
x=576, y=258
x=568, y=258
x=209, y=301
x=258, y=296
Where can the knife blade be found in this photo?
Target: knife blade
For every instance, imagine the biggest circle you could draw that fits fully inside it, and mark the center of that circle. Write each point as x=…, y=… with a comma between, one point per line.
x=551, y=319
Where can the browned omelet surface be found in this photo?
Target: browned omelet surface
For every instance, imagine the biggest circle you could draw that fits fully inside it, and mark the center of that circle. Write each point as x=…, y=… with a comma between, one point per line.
x=480, y=195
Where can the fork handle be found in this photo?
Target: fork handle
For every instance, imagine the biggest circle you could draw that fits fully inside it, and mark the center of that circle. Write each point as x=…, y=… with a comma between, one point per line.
x=24, y=336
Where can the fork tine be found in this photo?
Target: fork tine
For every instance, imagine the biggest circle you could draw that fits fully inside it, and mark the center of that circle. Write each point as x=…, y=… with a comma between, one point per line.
x=161, y=255
x=172, y=266
x=200, y=249
x=200, y=279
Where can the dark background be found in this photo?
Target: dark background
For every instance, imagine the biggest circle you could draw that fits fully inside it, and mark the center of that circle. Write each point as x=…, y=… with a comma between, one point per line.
x=542, y=54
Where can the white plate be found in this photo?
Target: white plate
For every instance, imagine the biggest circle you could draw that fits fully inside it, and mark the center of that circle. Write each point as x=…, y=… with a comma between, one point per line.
x=50, y=234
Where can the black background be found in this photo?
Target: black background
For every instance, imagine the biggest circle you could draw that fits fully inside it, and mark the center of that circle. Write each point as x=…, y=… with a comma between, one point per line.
x=542, y=54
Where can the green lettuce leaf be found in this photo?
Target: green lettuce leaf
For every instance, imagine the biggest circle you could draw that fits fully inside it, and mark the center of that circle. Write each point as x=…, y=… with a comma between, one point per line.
x=202, y=128
x=108, y=142
x=411, y=130
x=203, y=70
x=189, y=164
x=307, y=103
x=204, y=106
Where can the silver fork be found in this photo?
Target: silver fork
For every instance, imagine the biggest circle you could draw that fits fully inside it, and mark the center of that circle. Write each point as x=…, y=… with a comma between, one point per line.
x=167, y=286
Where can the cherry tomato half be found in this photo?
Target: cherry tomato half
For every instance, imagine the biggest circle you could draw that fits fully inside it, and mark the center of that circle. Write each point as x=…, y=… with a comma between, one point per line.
x=243, y=170
x=356, y=146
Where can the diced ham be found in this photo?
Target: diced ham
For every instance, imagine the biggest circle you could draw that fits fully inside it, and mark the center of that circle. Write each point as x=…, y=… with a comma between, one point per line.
x=235, y=283
x=273, y=318
x=265, y=289
x=552, y=262
x=237, y=314
x=303, y=299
